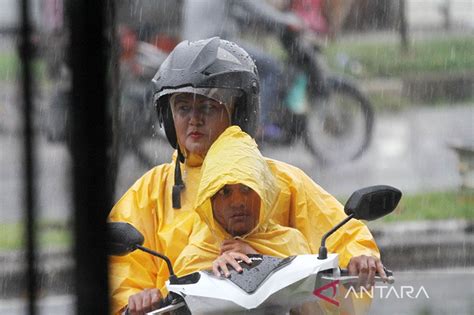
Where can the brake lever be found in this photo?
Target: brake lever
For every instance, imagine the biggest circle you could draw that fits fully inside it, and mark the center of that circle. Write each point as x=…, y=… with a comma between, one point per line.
x=167, y=308
x=171, y=302
x=389, y=273
x=346, y=278
x=352, y=279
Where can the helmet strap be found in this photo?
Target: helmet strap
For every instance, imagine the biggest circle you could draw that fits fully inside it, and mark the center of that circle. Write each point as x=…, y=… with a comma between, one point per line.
x=178, y=182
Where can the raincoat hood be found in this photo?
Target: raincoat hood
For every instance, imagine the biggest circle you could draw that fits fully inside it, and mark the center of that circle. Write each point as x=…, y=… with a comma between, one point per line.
x=235, y=159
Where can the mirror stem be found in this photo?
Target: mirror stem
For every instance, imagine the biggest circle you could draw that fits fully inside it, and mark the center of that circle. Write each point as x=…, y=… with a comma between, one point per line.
x=323, y=251
x=166, y=259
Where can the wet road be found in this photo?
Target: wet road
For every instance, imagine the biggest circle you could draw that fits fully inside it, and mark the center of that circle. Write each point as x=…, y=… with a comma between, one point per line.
x=409, y=151
x=430, y=292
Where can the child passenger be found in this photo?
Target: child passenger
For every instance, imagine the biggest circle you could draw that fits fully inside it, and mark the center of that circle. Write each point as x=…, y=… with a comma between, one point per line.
x=235, y=201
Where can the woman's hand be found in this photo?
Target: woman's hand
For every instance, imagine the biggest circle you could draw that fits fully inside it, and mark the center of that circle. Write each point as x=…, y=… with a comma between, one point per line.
x=237, y=246
x=366, y=267
x=144, y=302
x=219, y=266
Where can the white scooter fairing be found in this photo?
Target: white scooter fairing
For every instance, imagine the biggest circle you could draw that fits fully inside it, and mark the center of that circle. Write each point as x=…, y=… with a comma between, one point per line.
x=286, y=283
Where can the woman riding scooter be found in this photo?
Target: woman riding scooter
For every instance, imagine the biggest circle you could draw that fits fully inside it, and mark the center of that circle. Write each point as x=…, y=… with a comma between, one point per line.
x=223, y=81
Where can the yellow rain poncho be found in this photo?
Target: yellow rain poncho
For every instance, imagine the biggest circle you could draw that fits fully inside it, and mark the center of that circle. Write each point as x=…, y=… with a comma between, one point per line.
x=301, y=204
x=234, y=159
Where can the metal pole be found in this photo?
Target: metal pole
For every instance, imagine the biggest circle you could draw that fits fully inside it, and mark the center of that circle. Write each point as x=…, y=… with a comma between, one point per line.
x=90, y=126
x=25, y=49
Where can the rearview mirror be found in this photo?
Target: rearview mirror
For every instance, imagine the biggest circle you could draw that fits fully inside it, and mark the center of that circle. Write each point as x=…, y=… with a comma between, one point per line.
x=123, y=238
x=372, y=202
x=368, y=203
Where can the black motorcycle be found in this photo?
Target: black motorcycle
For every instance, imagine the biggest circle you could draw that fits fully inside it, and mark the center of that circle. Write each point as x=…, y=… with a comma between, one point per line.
x=329, y=113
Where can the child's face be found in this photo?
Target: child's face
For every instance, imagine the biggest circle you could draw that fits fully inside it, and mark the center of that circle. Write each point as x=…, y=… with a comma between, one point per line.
x=236, y=208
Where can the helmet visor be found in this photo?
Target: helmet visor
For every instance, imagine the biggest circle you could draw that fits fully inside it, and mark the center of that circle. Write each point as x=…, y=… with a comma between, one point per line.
x=225, y=96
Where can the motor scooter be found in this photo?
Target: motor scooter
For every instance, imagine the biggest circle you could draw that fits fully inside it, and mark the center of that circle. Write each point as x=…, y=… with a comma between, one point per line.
x=269, y=285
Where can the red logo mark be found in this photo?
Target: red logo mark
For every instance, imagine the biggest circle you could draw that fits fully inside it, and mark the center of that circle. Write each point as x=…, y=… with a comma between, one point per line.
x=333, y=285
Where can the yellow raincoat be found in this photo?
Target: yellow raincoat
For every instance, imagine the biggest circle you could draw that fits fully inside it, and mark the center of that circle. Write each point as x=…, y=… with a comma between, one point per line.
x=301, y=204
x=234, y=159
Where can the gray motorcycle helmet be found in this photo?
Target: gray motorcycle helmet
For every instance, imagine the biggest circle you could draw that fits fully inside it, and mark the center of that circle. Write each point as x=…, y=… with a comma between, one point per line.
x=209, y=63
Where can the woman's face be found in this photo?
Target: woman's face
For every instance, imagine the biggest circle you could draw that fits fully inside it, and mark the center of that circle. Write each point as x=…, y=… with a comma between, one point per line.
x=236, y=208
x=198, y=121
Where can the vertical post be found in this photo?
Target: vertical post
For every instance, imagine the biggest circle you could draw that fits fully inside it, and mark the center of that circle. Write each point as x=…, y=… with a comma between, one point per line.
x=403, y=27
x=90, y=139
x=114, y=95
x=25, y=49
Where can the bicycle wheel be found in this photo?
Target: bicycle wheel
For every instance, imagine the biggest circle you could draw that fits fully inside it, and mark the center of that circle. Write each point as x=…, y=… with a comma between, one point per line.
x=339, y=124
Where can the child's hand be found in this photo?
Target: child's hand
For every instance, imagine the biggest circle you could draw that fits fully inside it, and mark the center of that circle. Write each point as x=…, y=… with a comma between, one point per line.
x=237, y=246
x=219, y=266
